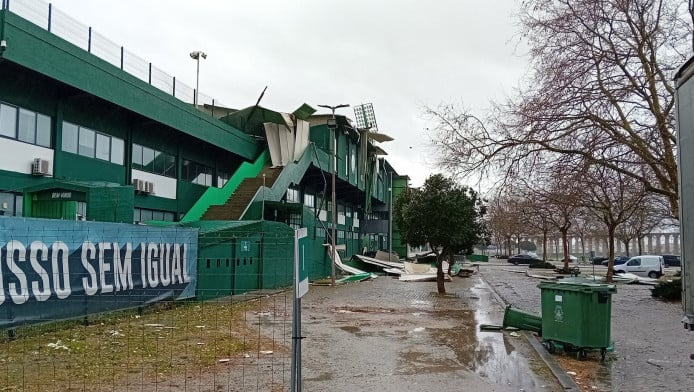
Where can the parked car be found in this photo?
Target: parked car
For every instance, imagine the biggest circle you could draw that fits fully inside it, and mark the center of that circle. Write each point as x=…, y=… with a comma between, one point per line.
x=621, y=259
x=644, y=265
x=671, y=261
x=598, y=260
x=523, y=259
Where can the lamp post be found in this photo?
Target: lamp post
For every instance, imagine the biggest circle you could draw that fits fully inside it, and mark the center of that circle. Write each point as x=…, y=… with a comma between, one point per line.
x=196, y=56
x=332, y=125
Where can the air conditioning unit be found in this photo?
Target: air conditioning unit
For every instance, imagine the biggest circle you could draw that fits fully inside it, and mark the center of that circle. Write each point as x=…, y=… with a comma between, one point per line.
x=149, y=187
x=139, y=185
x=39, y=167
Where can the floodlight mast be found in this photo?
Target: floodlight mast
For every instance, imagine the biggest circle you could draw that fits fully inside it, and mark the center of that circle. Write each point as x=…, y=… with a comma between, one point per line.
x=196, y=56
x=332, y=125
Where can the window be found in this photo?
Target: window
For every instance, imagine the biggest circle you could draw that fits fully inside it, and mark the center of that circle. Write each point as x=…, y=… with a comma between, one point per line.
x=196, y=173
x=90, y=143
x=309, y=200
x=103, y=147
x=85, y=145
x=144, y=214
x=8, y=121
x=222, y=178
x=11, y=204
x=294, y=220
x=117, y=150
x=25, y=125
x=153, y=161
x=293, y=195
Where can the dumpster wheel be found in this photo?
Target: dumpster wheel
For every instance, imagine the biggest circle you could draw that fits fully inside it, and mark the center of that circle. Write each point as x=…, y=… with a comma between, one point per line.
x=581, y=354
x=603, y=351
x=550, y=346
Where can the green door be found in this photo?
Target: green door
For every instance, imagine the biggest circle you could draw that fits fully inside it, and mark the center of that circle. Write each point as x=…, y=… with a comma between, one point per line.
x=247, y=264
x=215, y=267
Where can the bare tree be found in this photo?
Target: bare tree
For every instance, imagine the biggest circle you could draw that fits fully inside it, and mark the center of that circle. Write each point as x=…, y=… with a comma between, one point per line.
x=612, y=198
x=600, y=91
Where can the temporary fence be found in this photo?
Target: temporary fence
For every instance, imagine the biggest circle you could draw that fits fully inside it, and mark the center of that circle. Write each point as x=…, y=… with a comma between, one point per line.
x=87, y=306
x=50, y=18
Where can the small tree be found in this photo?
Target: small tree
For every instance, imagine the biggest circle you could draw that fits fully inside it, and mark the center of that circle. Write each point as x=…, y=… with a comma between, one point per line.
x=444, y=215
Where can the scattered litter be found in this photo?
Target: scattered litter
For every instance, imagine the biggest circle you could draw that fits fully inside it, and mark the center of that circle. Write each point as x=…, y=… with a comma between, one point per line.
x=115, y=333
x=154, y=325
x=515, y=334
x=57, y=345
x=224, y=360
x=655, y=363
x=571, y=373
x=246, y=355
x=199, y=326
x=199, y=343
x=266, y=352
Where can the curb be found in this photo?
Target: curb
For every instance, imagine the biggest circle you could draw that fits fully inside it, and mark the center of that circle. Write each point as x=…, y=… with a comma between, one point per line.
x=564, y=379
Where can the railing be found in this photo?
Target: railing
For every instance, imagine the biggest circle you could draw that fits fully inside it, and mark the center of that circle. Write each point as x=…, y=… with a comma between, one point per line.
x=59, y=23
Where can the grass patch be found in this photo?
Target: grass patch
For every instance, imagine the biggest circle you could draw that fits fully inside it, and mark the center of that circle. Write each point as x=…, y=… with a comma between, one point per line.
x=128, y=348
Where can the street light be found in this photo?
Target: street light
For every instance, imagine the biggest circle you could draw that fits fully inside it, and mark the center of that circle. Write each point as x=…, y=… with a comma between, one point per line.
x=332, y=125
x=196, y=56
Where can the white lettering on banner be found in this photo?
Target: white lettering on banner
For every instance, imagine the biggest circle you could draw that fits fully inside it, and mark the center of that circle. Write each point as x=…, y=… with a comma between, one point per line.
x=22, y=295
x=106, y=268
x=41, y=294
x=123, y=275
x=152, y=265
x=165, y=277
x=62, y=291
x=90, y=284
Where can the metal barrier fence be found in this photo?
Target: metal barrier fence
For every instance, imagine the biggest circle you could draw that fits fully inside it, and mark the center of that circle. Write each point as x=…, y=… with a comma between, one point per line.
x=59, y=23
x=231, y=335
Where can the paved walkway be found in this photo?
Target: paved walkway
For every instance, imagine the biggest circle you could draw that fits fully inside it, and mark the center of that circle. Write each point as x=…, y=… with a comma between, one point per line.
x=388, y=335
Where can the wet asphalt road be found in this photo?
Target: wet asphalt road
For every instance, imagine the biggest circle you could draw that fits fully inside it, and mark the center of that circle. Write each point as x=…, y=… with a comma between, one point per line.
x=386, y=335
x=651, y=348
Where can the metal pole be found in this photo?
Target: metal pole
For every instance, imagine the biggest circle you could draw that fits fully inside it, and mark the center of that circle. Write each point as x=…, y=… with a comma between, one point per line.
x=333, y=169
x=390, y=218
x=333, y=198
x=197, y=83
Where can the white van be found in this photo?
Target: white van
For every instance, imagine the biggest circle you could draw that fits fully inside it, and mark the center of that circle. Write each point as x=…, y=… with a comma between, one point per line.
x=644, y=265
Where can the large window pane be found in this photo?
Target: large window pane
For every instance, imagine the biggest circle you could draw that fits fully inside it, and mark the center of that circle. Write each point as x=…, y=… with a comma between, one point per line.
x=137, y=156
x=170, y=170
x=70, y=137
x=103, y=147
x=27, y=126
x=159, y=162
x=8, y=121
x=43, y=130
x=86, y=142
x=117, y=150
x=147, y=159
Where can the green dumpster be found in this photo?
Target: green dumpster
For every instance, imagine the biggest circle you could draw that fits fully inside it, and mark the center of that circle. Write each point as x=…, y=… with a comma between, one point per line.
x=577, y=315
x=522, y=320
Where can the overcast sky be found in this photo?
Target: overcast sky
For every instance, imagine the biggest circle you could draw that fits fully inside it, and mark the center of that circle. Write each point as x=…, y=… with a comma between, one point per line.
x=399, y=55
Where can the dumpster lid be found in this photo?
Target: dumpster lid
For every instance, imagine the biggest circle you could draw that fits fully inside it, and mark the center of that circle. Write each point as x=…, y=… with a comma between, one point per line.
x=578, y=284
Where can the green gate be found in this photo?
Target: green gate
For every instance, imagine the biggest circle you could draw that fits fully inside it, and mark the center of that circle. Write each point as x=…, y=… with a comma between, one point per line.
x=247, y=264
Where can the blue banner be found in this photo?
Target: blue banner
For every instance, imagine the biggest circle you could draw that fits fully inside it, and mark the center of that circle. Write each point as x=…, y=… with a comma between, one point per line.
x=53, y=269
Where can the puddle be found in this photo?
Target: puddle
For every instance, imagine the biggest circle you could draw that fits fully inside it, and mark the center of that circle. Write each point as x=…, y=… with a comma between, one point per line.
x=351, y=329
x=489, y=354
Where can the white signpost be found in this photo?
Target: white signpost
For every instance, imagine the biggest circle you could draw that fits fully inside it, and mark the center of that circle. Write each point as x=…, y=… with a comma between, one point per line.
x=300, y=289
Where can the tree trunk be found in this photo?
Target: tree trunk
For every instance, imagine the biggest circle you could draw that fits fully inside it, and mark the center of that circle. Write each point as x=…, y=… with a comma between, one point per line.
x=610, y=263
x=565, y=246
x=544, y=245
x=439, y=274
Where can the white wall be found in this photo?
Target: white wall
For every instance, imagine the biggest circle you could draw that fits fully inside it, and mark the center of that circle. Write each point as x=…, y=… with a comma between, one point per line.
x=163, y=186
x=18, y=157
